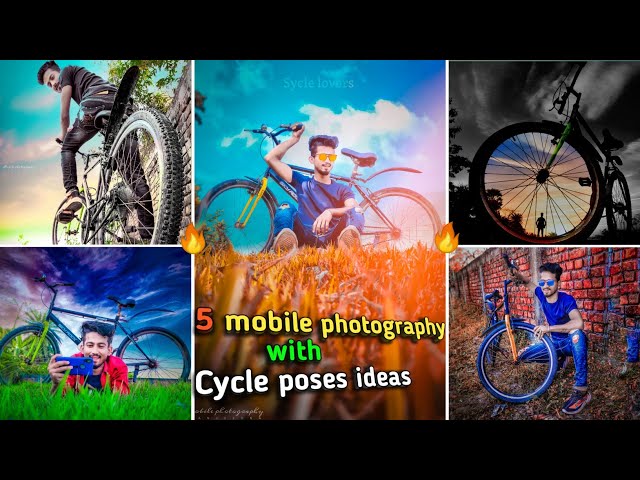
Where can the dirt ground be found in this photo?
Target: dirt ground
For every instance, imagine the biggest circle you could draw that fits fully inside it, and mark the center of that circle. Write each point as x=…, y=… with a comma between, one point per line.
x=613, y=398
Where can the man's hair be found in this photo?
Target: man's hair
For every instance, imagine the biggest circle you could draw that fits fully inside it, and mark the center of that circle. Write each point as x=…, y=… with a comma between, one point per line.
x=99, y=328
x=321, y=141
x=45, y=66
x=552, y=268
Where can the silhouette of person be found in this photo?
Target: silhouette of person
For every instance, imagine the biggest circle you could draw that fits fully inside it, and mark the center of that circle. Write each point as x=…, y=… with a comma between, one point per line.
x=541, y=223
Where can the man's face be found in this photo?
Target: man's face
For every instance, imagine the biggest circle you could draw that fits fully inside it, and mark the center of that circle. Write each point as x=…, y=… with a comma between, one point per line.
x=322, y=166
x=97, y=347
x=51, y=79
x=546, y=289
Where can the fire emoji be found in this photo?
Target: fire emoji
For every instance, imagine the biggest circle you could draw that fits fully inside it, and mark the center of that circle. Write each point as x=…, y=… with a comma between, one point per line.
x=447, y=241
x=193, y=241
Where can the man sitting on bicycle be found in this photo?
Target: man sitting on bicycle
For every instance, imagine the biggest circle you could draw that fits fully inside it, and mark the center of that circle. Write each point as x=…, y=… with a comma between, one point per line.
x=565, y=325
x=327, y=210
x=93, y=94
x=96, y=343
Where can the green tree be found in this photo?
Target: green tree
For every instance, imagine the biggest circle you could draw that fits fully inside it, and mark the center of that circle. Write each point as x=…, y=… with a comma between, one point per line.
x=457, y=163
x=155, y=83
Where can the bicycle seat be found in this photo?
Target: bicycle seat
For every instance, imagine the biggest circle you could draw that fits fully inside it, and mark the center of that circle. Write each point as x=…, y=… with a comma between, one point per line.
x=129, y=302
x=610, y=143
x=102, y=119
x=360, y=159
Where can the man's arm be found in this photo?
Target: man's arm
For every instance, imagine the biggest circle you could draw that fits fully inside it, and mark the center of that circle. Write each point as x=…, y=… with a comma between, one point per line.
x=524, y=278
x=65, y=105
x=274, y=157
x=575, y=323
x=321, y=225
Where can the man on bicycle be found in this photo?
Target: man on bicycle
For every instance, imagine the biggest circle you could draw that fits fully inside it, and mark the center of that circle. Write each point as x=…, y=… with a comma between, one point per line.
x=565, y=325
x=96, y=343
x=327, y=210
x=93, y=94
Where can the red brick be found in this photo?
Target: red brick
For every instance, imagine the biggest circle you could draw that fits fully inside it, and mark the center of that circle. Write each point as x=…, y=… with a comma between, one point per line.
x=624, y=300
x=597, y=282
x=566, y=276
x=597, y=259
x=588, y=304
x=579, y=274
x=586, y=283
x=581, y=294
x=587, y=326
x=629, y=322
x=595, y=317
x=617, y=268
x=617, y=279
x=629, y=288
x=634, y=298
x=613, y=292
x=577, y=253
x=577, y=284
x=629, y=276
x=597, y=293
x=599, y=305
x=632, y=310
x=630, y=252
x=629, y=265
x=617, y=256
x=598, y=250
x=598, y=328
x=568, y=265
x=578, y=263
x=597, y=271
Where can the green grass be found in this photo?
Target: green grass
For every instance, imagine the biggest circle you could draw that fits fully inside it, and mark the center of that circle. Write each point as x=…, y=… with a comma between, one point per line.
x=33, y=401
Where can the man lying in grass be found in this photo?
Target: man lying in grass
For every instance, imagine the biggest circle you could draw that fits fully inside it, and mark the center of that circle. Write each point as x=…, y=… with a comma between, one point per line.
x=96, y=343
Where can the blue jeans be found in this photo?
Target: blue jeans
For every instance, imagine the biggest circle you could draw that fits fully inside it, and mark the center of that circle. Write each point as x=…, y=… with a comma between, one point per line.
x=574, y=345
x=288, y=218
x=633, y=339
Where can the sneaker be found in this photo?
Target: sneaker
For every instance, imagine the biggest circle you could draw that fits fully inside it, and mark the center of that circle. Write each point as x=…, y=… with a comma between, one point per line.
x=285, y=241
x=627, y=368
x=576, y=402
x=72, y=203
x=349, y=238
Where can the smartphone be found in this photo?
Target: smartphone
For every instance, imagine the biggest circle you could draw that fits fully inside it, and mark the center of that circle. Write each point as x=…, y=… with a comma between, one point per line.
x=81, y=365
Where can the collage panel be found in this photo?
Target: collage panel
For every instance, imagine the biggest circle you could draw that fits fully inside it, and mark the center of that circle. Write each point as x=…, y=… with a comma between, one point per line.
x=543, y=152
x=544, y=333
x=95, y=152
x=96, y=333
x=320, y=293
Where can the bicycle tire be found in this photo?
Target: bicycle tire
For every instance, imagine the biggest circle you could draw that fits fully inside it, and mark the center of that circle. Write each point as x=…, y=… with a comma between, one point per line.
x=226, y=209
x=172, y=371
x=373, y=232
x=76, y=227
x=497, y=370
x=525, y=168
x=618, y=209
x=163, y=179
x=10, y=366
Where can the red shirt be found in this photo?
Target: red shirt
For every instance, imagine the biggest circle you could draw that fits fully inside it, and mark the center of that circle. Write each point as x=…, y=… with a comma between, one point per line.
x=117, y=372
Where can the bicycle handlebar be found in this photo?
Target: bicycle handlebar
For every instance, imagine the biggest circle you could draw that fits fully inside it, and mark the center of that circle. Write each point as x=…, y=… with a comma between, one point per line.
x=284, y=128
x=510, y=264
x=562, y=101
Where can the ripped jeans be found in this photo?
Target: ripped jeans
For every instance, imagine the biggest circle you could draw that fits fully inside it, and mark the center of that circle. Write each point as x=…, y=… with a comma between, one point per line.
x=287, y=217
x=573, y=345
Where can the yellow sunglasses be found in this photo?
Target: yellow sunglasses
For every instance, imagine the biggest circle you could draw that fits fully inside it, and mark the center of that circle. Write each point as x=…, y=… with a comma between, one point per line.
x=323, y=156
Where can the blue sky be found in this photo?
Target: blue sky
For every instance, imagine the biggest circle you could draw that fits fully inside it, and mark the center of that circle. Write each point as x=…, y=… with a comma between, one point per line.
x=396, y=109
x=155, y=277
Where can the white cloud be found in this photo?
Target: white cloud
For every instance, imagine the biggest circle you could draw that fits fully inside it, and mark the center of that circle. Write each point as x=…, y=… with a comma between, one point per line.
x=248, y=136
x=43, y=100
x=42, y=148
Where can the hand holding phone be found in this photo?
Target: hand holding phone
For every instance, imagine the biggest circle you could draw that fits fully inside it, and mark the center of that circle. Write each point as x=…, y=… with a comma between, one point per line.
x=81, y=365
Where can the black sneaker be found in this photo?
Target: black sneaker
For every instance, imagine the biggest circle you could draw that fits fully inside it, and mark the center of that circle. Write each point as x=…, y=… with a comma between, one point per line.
x=72, y=203
x=576, y=402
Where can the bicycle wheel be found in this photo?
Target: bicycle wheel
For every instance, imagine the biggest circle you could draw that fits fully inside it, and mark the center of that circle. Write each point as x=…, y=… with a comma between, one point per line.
x=69, y=233
x=525, y=379
x=516, y=189
x=228, y=202
x=399, y=218
x=618, y=206
x=145, y=193
x=156, y=355
x=25, y=355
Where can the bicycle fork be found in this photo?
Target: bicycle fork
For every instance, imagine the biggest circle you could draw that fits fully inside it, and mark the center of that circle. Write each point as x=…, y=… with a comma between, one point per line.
x=512, y=341
x=563, y=137
x=255, y=198
x=35, y=347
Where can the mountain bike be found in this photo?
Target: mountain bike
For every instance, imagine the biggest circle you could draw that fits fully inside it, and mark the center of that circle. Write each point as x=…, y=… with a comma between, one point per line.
x=394, y=217
x=139, y=175
x=513, y=364
x=151, y=353
x=551, y=169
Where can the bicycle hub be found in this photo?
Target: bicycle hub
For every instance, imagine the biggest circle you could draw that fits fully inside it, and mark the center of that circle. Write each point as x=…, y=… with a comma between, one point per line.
x=542, y=176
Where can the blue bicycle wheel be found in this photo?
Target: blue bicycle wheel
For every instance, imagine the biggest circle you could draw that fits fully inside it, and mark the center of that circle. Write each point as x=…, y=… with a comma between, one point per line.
x=527, y=378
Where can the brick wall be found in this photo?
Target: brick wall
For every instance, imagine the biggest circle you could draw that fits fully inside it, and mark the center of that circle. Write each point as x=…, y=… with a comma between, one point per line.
x=604, y=282
x=180, y=114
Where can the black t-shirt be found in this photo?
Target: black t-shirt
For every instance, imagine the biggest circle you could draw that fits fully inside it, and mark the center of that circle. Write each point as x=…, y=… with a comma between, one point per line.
x=94, y=381
x=83, y=82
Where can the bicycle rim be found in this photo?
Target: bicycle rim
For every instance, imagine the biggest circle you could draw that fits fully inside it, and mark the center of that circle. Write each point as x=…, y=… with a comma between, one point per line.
x=529, y=377
x=517, y=190
x=145, y=190
x=156, y=355
x=17, y=360
x=69, y=234
x=222, y=215
x=407, y=219
x=618, y=206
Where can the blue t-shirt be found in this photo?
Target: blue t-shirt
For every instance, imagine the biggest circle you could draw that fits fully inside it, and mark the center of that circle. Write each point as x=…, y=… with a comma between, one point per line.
x=557, y=313
x=315, y=197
